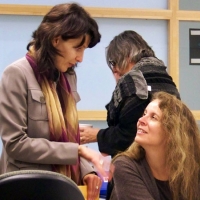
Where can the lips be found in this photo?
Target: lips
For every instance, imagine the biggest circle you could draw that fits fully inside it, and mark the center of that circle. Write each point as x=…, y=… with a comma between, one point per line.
x=71, y=64
x=141, y=131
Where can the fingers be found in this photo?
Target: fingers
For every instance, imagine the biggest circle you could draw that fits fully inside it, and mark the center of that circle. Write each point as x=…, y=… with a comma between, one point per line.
x=93, y=186
x=102, y=166
x=83, y=136
x=98, y=165
x=82, y=141
x=88, y=134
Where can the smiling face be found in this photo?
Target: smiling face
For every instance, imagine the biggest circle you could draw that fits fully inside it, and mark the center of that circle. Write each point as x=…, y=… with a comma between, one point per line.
x=72, y=52
x=149, y=127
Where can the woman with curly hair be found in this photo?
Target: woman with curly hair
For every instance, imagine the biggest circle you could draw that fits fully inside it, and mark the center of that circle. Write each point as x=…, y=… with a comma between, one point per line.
x=164, y=160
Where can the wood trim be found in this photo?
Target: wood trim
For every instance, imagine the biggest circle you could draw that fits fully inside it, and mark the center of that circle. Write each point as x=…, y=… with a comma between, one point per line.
x=130, y=13
x=188, y=15
x=12, y=9
x=173, y=37
x=196, y=114
x=99, y=115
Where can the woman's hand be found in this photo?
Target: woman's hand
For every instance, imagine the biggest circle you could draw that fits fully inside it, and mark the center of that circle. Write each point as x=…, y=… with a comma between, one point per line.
x=93, y=183
x=95, y=158
x=88, y=134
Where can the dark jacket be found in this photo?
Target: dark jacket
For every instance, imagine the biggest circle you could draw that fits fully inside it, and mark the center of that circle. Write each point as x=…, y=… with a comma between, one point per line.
x=130, y=97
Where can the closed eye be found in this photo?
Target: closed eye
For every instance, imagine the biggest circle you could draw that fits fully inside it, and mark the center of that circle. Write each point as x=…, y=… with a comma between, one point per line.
x=78, y=48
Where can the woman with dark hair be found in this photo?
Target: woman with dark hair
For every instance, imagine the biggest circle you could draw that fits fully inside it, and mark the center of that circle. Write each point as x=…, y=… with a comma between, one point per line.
x=163, y=161
x=139, y=73
x=39, y=121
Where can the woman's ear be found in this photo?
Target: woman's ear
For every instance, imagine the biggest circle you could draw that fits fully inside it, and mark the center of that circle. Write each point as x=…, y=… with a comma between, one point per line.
x=55, y=41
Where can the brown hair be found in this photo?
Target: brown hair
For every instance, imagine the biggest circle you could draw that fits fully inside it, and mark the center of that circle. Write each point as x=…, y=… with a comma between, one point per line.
x=68, y=21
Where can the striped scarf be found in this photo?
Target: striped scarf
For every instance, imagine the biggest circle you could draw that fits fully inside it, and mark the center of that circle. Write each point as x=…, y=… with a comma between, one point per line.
x=62, y=115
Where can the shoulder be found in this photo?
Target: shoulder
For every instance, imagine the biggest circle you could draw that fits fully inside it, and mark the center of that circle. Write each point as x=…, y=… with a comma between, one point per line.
x=125, y=161
x=157, y=77
x=151, y=66
x=20, y=65
x=132, y=83
x=20, y=74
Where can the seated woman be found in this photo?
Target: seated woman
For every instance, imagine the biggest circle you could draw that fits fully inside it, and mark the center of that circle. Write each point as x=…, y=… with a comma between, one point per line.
x=164, y=160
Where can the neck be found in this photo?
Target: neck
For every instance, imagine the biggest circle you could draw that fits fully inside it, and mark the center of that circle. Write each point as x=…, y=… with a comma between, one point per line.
x=157, y=163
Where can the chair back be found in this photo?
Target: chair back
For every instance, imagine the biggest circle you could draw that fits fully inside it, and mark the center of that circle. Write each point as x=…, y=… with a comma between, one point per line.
x=37, y=185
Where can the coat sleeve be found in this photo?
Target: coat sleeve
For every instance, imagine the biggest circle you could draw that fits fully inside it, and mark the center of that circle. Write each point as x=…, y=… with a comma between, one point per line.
x=86, y=167
x=129, y=100
x=118, y=137
x=14, y=123
x=128, y=183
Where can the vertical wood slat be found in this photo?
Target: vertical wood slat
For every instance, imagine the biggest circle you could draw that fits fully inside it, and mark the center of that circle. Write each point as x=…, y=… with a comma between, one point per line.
x=173, y=37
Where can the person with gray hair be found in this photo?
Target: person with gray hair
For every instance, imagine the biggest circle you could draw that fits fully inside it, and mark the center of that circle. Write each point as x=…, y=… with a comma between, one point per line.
x=139, y=73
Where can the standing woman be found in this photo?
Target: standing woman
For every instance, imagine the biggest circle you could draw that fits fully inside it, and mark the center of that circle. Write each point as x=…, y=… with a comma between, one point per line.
x=39, y=121
x=163, y=163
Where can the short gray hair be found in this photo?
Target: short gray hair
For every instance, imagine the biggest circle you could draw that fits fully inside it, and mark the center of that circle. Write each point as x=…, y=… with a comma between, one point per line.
x=127, y=47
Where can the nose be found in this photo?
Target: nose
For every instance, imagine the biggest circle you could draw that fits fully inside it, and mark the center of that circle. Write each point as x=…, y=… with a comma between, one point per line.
x=79, y=57
x=142, y=120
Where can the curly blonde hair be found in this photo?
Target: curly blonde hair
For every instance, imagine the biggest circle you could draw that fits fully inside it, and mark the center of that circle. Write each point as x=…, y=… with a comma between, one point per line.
x=183, y=149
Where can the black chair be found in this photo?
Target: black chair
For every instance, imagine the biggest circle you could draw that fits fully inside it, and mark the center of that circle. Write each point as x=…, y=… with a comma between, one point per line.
x=37, y=185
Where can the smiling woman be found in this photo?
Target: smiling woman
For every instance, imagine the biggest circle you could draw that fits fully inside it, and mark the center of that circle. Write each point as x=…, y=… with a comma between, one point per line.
x=163, y=161
x=149, y=128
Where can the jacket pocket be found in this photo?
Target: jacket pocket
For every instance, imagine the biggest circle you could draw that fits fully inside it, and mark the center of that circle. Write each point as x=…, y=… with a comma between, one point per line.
x=36, y=105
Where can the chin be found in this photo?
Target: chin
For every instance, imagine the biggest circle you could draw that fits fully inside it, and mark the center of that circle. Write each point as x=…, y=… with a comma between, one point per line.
x=138, y=139
x=63, y=70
